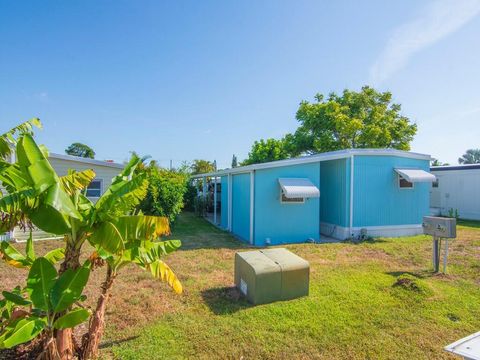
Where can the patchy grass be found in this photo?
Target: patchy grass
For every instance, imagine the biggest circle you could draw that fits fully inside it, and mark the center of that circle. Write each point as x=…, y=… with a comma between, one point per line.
x=370, y=300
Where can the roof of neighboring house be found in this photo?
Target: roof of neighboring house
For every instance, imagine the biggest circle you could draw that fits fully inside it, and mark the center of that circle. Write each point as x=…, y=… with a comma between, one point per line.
x=332, y=155
x=456, y=167
x=86, y=160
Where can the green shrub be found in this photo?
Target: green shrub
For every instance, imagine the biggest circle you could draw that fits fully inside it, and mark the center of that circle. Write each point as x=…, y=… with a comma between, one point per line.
x=200, y=206
x=453, y=213
x=189, y=197
x=166, y=190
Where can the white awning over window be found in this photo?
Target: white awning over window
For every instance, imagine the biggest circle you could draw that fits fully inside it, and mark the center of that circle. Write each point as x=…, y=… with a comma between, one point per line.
x=416, y=175
x=298, y=188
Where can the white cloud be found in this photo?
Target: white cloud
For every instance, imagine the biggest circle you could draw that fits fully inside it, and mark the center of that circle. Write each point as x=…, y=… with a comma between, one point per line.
x=435, y=22
x=41, y=96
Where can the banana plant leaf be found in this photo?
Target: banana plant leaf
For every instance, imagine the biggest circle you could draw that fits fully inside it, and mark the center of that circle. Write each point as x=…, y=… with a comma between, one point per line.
x=72, y=318
x=69, y=286
x=21, y=331
x=40, y=280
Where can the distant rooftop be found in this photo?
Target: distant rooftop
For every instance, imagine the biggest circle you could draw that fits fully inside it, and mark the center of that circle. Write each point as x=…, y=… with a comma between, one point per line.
x=107, y=163
x=455, y=167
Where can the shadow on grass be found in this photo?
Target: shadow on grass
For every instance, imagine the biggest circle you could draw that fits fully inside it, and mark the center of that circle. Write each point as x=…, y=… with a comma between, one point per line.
x=107, y=344
x=368, y=240
x=225, y=300
x=418, y=274
x=469, y=223
x=197, y=233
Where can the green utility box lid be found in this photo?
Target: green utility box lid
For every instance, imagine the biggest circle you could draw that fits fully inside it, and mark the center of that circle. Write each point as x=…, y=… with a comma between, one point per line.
x=269, y=275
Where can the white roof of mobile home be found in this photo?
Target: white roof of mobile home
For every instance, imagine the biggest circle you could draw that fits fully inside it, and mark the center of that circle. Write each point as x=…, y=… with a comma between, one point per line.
x=332, y=155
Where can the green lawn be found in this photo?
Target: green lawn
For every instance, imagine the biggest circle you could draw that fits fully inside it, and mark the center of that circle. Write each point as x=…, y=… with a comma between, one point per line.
x=354, y=310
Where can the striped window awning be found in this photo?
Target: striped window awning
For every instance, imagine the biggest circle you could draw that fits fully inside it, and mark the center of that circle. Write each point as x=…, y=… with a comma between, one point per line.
x=416, y=175
x=298, y=188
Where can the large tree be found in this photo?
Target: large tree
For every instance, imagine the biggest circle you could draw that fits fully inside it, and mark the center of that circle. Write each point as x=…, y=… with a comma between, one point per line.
x=364, y=119
x=471, y=156
x=81, y=150
x=267, y=150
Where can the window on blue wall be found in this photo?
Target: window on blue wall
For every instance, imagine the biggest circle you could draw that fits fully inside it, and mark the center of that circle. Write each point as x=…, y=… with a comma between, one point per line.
x=404, y=184
x=285, y=200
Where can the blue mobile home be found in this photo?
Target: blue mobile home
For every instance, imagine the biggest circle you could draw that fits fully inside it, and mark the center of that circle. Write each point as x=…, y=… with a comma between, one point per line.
x=340, y=194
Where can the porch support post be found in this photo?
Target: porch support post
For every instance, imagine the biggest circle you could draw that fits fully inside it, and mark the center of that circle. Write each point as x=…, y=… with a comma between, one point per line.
x=229, y=222
x=215, y=200
x=252, y=205
x=351, y=193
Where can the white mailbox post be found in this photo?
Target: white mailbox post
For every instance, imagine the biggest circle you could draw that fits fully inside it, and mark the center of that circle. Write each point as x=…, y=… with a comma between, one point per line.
x=440, y=228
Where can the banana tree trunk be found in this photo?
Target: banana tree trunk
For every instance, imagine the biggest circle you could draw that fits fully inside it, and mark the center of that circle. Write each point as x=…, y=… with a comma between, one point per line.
x=64, y=338
x=64, y=342
x=91, y=340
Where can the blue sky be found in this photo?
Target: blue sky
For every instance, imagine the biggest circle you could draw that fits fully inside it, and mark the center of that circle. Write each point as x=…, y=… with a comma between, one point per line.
x=203, y=79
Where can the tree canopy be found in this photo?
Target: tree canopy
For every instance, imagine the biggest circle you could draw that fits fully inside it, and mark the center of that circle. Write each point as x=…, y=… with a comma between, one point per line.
x=81, y=150
x=365, y=119
x=471, y=156
x=267, y=150
x=202, y=166
x=234, y=161
x=436, y=162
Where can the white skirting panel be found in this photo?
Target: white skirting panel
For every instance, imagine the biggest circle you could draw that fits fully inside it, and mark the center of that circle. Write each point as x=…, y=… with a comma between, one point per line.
x=342, y=233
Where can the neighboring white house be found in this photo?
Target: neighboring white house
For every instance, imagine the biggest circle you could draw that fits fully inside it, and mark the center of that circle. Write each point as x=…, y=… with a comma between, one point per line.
x=105, y=171
x=457, y=188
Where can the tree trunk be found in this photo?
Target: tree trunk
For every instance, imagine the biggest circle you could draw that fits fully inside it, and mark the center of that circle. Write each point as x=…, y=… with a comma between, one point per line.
x=91, y=340
x=49, y=345
x=65, y=344
x=64, y=337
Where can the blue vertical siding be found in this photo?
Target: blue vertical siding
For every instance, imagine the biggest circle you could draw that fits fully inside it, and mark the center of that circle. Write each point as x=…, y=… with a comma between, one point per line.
x=335, y=191
x=224, y=203
x=285, y=223
x=378, y=200
x=241, y=206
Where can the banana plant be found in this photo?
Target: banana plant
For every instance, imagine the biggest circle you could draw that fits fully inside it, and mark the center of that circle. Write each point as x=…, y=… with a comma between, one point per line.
x=59, y=205
x=27, y=312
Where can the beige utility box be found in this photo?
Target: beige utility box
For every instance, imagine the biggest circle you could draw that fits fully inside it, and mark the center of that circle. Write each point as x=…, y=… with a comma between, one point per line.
x=269, y=275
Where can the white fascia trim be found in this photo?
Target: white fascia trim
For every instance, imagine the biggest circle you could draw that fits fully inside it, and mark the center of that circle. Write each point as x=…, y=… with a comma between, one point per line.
x=333, y=155
x=85, y=160
x=342, y=233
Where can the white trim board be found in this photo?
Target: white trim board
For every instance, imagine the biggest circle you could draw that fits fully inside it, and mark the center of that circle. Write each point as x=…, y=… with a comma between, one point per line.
x=342, y=233
x=332, y=155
